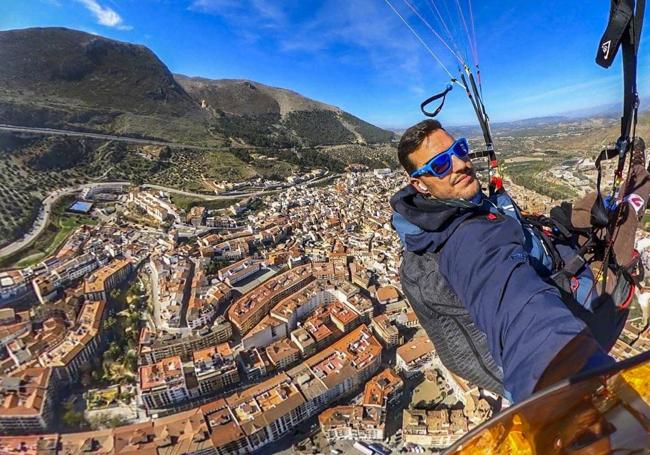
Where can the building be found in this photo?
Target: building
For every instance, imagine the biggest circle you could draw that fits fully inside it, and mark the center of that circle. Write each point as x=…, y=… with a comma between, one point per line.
x=196, y=216
x=283, y=353
x=29, y=445
x=79, y=346
x=331, y=270
x=239, y=271
x=154, y=347
x=243, y=422
x=102, y=281
x=45, y=285
x=386, y=295
x=251, y=308
x=436, y=429
x=13, y=284
x=7, y=316
x=255, y=363
x=414, y=355
x=205, y=300
x=154, y=206
x=182, y=433
x=215, y=369
x=385, y=331
x=303, y=341
x=269, y=410
x=162, y=384
x=343, y=317
x=227, y=436
x=27, y=397
x=367, y=421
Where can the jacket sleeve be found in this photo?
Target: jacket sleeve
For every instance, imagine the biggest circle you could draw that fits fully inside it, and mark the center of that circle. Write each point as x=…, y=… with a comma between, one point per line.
x=526, y=322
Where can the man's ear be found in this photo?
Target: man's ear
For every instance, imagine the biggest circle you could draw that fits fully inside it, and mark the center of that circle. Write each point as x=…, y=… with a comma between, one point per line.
x=419, y=186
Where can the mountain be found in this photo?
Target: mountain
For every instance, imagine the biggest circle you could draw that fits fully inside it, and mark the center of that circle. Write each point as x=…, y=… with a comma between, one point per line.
x=269, y=116
x=62, y=78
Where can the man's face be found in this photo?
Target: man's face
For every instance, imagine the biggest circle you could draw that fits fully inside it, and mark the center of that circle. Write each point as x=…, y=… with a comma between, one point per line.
x=460, y=183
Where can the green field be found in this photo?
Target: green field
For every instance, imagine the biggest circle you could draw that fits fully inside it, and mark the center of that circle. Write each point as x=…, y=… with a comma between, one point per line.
x=59, y=227
x=187, y=202
x=527, y=174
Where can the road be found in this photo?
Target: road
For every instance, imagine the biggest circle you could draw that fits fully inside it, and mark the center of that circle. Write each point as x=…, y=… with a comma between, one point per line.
x=108, y=137
x=44, y=215
x=222, y=197
x=205, y=197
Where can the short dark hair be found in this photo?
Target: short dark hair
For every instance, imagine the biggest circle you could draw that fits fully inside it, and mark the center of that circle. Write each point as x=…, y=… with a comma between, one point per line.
x=412, y=139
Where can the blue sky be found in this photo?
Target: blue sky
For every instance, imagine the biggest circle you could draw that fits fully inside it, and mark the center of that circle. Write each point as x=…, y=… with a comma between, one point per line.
x=537, y=58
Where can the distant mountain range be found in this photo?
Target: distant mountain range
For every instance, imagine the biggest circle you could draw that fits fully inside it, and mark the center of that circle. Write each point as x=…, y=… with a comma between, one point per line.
x=62, y=78
x=601, y=113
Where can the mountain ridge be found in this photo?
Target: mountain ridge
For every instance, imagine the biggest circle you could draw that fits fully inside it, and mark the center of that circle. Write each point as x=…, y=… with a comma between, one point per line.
x=77, y=80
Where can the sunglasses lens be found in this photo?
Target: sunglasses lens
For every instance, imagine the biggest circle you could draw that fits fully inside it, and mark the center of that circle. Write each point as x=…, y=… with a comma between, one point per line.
x=461, y=149
x=441, y=164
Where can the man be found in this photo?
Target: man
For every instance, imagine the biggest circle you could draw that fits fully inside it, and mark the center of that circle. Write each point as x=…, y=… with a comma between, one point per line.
x=479, y=277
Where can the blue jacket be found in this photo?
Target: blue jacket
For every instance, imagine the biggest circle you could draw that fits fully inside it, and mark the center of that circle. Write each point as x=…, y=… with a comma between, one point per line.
x=496, y=269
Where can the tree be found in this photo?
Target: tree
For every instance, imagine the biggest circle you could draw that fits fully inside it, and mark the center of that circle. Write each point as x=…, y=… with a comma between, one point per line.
x=131, y=362
x=113, y=352
x=71, y=418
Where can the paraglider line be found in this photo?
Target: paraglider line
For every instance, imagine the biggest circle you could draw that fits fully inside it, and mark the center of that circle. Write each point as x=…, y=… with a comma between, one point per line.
x=423, y=43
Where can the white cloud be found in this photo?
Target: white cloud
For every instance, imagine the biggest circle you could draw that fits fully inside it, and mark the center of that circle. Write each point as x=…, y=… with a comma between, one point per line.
x=360, y=32
x=570, y=89
x=244, y=13
x=105, y=15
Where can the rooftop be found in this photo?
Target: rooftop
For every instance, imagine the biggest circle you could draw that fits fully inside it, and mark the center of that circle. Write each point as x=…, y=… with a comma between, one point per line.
x=247, y=305
x=415, y=349
x=162, y=373
x=387, y=293
x=96, y=281
x=24, y=393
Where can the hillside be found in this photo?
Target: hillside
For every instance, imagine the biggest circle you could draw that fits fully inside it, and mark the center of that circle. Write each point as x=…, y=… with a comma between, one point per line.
x=62, y=78
x=265, y=116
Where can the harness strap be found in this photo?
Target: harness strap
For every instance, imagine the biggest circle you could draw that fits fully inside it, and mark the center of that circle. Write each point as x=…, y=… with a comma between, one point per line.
x=620, y=14
x=623, y=31
x=433, y=98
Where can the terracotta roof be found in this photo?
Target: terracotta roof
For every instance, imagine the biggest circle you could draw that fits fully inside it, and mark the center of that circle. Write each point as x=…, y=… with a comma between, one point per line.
x=415, y=349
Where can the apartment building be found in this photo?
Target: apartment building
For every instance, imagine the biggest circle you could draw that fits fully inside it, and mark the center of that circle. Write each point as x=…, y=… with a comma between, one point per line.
x=154, y=347
x=283, y=353
x=366, y=421
x=251, y=308
x=433, y=428
x=78, y=346
x=412, y=356
x=386, y=331
x=26, y=401
x=215, y=369
x=102, y=281
x=162, y=384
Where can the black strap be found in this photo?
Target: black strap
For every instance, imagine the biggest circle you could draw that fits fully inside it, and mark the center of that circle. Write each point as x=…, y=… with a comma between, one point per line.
x=435, y=97
x=623, y=31
x=620, y=15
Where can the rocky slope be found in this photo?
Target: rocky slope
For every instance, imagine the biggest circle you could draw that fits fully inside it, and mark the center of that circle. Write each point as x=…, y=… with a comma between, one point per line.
x=57, y=77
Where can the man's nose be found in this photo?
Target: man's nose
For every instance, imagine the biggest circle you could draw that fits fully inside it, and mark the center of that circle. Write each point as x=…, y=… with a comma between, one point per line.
x=458, y=164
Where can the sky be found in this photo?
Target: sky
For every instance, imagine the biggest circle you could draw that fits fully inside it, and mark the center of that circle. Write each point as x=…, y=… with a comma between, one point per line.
x=536, y=58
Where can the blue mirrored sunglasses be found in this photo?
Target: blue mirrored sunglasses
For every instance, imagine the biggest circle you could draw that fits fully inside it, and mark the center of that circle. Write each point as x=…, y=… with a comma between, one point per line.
x=440, y=165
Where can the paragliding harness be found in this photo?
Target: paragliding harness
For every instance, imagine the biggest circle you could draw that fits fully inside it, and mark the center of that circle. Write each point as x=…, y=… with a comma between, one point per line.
x=623, y=31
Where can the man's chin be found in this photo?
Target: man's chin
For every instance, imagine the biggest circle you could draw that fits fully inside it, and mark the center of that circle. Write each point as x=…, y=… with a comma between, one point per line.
x=468, y=190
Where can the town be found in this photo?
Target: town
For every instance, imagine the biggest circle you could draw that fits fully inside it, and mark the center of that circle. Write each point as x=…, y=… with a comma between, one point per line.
x=278, y=321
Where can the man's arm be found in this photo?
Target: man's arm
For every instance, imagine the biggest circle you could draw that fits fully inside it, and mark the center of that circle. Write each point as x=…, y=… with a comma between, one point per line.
x=526, y=322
